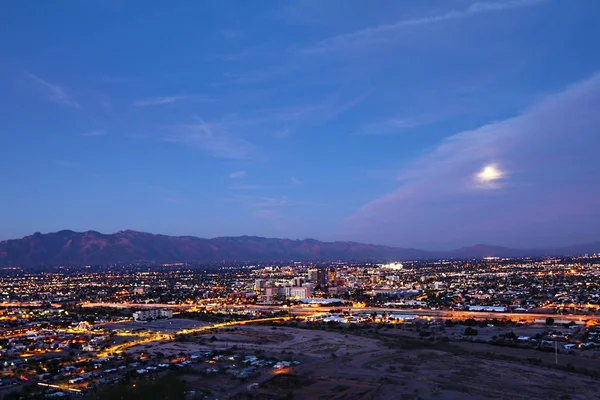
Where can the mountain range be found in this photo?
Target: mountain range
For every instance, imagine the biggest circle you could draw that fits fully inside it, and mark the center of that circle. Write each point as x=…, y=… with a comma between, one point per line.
x=77, y=248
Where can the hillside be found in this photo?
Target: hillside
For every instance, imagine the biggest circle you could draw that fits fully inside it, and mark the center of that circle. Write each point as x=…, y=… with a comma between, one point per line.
x=68, y=247
x=77, y=248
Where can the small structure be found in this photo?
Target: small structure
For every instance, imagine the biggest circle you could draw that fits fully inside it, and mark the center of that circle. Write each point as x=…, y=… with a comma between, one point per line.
x=147, y=315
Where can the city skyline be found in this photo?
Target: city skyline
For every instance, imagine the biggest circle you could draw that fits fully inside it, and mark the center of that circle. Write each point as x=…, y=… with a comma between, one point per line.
x=431, y=126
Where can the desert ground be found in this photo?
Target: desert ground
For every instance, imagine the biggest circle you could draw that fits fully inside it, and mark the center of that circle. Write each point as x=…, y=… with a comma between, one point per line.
x=395, y=364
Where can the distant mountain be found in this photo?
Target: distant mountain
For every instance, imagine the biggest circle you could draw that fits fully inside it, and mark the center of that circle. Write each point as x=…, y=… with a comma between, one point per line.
x=77, y=248
x=484, y=250
x=68, y=247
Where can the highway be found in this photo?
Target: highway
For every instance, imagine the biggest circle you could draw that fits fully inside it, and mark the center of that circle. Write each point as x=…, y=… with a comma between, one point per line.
x=441, y=314
x=307, y=311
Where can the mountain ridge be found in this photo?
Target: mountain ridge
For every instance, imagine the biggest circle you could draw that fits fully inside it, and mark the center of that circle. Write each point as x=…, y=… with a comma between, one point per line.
x=92, y=247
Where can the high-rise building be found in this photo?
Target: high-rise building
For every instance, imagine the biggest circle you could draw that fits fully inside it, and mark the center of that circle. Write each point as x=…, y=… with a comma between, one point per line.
x=297, y=281
x=260, y=284
x=313, y=275
x=331, y=275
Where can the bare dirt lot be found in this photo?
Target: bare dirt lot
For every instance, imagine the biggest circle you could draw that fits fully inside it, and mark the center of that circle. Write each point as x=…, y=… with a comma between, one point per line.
x=335, y=364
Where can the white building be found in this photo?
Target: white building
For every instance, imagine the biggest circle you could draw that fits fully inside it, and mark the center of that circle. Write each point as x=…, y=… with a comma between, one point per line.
x=299, y=291
x=146, y=315
x=393, y=266
x=297, y=281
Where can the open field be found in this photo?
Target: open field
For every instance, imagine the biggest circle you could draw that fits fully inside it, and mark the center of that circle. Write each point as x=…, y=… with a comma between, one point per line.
x=342, y=366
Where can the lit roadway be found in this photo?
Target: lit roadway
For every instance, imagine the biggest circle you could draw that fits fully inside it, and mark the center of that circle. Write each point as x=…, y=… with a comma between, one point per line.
x=154, y=337
x=307, y=311
x=138, y=305
x=443, y=314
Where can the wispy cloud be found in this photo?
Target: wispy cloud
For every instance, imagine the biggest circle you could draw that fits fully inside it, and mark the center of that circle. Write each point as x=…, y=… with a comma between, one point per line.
x=118, y=79
x=97, y=132
x=253, y=76
x=247, y=187
x=328, y=108
x=237, y=174
x=57, y=93
x=223, y=137
x=394, y=125
x=387, y=32
x=155, y=101
x=500, y=174
x=265, y=202
x=214, y=138
x=271, y=201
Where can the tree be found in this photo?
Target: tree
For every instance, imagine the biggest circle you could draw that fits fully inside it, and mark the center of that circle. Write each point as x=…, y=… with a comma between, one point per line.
x=549, y=321
x=469, y=331
x=511, y=336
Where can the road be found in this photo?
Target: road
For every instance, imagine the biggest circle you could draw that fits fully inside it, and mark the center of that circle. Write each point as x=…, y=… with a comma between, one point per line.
x=306, y=311
x=139, y=305
x=443, y=314
x=162, y=337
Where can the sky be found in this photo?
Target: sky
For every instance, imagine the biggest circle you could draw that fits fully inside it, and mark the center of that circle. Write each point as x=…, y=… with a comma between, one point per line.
x=432, y=124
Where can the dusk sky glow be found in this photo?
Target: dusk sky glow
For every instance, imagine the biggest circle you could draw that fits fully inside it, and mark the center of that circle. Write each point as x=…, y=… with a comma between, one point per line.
x=431, y=124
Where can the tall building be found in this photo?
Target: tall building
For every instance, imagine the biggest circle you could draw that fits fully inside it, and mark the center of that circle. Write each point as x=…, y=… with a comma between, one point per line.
x=331, y=275
x=313, y=275
x=259, y=284
x=297, y=281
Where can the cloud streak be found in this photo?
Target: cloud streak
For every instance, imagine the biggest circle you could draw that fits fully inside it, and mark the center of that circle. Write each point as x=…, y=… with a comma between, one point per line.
x=212, y=138
x=543, y=156
x=156, y=101
x=222, y=138
x=237, y=174
x=394, y=126
x=95, y=133
x=57, y=93
x=387, y=32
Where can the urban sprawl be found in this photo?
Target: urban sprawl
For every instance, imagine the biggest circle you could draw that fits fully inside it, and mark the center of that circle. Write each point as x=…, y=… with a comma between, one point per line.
x=69, y=331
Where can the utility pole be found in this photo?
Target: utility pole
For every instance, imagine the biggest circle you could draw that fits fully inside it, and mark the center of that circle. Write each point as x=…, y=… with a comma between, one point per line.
x=556, y=351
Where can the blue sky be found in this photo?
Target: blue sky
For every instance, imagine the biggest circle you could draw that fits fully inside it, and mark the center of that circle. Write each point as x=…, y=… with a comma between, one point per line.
x=429, y=124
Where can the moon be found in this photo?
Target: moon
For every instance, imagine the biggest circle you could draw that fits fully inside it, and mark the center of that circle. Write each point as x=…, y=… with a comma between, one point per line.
x=489, y=173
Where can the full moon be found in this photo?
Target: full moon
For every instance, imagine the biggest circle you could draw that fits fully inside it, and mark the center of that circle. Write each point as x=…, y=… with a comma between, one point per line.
x=489, y=173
